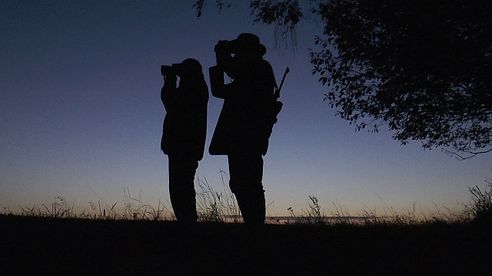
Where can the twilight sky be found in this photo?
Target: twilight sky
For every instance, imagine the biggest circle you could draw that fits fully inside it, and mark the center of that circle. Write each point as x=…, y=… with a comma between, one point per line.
x=81, y=117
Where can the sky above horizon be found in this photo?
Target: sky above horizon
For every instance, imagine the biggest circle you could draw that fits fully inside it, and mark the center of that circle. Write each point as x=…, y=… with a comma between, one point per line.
x=81, y=116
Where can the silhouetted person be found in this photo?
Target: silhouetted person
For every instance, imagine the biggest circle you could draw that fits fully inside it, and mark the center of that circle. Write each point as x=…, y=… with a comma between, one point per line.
x=184, y=130
x=244, y=125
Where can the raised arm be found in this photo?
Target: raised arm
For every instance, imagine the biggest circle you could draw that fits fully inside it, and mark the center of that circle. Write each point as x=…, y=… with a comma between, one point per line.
x=217, y=86
x=169, y=91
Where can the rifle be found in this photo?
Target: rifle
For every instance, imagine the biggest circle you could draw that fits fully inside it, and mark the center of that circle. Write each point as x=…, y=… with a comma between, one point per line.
x=276, y=94
x=277, y=105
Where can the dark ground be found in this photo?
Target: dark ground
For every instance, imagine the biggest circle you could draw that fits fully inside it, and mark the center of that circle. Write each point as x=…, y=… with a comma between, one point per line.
x=93, y=247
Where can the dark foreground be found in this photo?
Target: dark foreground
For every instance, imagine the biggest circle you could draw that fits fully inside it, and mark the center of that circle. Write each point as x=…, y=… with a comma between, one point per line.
x=69, y=246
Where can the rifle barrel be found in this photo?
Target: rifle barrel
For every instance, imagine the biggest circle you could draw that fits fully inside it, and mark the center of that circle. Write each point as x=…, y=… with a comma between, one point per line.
x=277, y=92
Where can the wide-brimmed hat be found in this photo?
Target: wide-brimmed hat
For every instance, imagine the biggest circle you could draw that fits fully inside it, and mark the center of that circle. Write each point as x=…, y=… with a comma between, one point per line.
x=250, y=43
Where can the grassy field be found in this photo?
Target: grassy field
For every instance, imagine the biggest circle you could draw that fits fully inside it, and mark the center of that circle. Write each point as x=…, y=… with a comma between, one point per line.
x=140, y=239
x=36, y=245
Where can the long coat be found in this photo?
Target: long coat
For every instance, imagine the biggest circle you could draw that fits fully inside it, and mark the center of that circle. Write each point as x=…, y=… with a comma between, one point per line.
x=244, y=123
x=185, y=124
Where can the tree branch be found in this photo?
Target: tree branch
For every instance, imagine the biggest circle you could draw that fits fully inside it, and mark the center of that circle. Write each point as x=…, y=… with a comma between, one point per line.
x=470, y=154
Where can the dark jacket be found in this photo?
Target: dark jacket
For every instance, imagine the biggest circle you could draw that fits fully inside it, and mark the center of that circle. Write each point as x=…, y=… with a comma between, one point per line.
x=243, y=125
x=185, y=124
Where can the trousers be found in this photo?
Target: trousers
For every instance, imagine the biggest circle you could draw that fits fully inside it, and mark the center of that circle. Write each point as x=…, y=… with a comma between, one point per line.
x=181, y=187
x=245, y=181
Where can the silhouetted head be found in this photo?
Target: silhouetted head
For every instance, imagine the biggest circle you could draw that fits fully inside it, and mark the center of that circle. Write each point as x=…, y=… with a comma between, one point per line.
x=190, y=73
x=191, y=66
x=247, y=44
x=190, y=69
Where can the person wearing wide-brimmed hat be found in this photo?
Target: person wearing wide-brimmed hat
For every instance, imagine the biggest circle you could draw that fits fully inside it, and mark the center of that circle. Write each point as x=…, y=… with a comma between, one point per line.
x=242, y=131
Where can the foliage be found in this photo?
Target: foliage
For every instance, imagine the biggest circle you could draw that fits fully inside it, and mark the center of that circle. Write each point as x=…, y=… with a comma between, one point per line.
x=59, y=208
x=214, y=206
x=101, y=211
x=422, y=68
x=132, y=208
x=480, y=207
x=136, y=208
x=198, y=5
x=313, y=214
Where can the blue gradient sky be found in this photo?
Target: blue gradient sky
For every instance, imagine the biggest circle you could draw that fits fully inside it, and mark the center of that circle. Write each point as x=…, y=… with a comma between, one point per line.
x=81, y=117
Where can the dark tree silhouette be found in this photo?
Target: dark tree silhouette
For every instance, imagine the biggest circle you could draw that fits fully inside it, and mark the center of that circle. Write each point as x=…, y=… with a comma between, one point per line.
x=422, y=68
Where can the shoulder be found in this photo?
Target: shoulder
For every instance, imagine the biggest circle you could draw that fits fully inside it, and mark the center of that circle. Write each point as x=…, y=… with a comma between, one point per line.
x=264, y=68
x=264, y=64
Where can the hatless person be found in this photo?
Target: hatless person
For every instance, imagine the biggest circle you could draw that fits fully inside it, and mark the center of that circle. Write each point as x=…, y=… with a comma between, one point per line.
x=184, y=131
